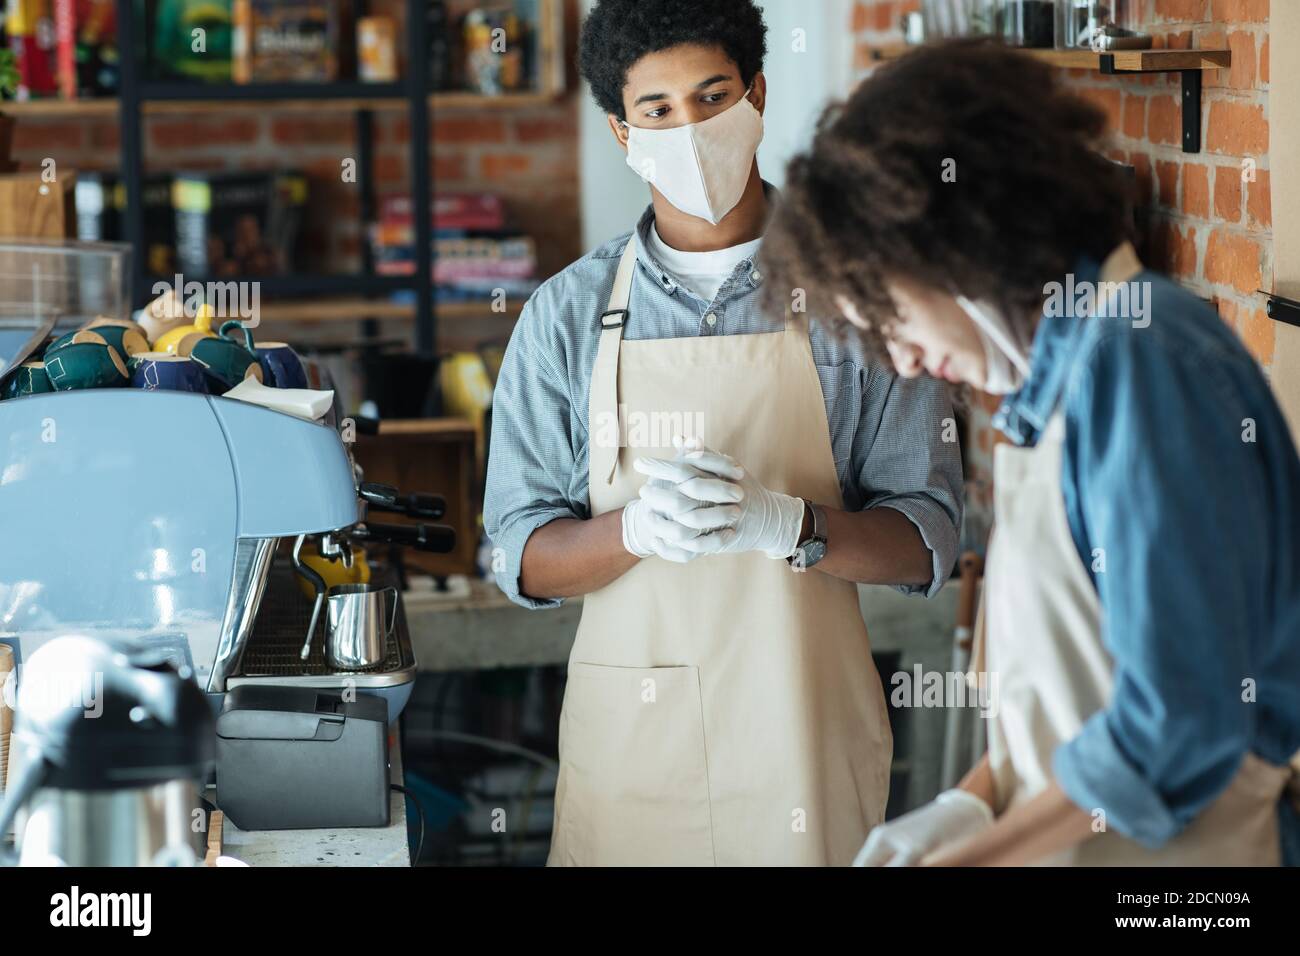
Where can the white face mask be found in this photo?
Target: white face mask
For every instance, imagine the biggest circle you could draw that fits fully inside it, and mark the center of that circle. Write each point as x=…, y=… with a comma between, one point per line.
x=1007, y=361
x=703, y=168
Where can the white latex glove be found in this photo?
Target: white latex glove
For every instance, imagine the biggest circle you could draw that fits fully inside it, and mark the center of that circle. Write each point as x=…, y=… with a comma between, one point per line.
x=952, y=815
x=650, y=525
x=768, y=521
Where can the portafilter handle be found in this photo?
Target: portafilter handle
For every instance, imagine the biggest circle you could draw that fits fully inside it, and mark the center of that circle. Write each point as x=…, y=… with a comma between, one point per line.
x=433, y=538
x=382, y=497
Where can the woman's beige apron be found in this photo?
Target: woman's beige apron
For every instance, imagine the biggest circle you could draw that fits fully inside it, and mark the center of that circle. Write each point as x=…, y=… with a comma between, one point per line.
x=725, y=711
x=1044, y=645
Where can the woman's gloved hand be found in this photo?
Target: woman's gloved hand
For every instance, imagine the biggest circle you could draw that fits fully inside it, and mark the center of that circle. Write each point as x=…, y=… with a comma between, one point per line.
x=952, y=815
x=764, y=520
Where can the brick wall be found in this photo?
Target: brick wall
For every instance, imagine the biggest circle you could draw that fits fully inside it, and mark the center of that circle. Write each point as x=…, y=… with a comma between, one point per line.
x=527, y=154
x=1199, y=220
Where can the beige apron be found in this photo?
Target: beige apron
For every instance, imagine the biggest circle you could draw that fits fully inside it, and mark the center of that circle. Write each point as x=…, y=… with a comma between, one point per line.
x=1044, y=645
x=724, y=711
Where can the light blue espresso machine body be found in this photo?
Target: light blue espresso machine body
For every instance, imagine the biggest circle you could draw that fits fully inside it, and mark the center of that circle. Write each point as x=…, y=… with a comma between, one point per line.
x=154, y=516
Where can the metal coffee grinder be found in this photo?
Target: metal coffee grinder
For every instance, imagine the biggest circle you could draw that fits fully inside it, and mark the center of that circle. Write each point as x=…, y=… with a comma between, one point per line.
x=111, y=744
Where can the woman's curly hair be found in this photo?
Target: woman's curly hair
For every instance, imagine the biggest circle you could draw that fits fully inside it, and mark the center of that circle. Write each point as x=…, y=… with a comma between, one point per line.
x=871, y=199
x=617, y=33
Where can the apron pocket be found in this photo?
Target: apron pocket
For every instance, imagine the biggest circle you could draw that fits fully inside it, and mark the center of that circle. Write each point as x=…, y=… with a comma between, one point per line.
x=637, y=784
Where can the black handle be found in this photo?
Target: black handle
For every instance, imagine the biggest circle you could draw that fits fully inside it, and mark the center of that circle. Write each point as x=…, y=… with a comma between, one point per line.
x=377, y=495
x=415, y=505
x=433, y=538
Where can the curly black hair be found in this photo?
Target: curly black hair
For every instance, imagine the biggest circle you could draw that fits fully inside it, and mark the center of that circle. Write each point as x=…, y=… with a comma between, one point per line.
x=617, y=33
x=871, y=199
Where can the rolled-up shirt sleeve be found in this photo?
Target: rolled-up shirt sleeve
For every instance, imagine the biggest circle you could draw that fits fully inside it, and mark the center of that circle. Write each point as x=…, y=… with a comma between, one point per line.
x=531, y=462
x=907, y=456
x=1170, y=525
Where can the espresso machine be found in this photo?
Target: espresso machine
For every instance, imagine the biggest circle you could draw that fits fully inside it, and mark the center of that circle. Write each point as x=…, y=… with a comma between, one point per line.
x=156, y=517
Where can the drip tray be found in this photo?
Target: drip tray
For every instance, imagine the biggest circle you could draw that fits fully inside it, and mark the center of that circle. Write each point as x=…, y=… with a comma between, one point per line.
x=272, y=654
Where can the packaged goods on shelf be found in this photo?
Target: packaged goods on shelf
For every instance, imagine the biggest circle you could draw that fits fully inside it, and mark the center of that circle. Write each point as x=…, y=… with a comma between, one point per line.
x=285, y=41
x=172, y=51
x=238, y=223
x=100, y=202
x=29, y=29
x=475, y=253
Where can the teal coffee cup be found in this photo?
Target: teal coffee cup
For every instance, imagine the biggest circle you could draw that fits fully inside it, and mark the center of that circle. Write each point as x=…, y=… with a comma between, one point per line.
x=85, y=365
x=225, y=361
x=28, y=379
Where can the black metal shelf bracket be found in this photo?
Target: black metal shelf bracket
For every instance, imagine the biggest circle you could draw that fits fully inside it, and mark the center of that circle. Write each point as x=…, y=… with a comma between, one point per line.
x=1282, y=309
x=1192, y=83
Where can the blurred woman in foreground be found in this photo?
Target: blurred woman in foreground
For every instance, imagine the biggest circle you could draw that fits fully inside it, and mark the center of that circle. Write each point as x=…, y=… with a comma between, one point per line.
x=1143, y=578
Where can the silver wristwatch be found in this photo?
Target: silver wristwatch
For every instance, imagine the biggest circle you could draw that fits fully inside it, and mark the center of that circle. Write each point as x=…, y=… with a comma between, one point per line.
x=811, y=550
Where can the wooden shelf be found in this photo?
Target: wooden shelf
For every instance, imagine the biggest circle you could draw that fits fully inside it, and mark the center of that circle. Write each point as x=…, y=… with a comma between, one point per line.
x=108, y=106
x=476, y=310
x=1188, y=64
x=59, y=109
x=336, y=310
x=479, y=101
x=1126, y=61
x=345, y=309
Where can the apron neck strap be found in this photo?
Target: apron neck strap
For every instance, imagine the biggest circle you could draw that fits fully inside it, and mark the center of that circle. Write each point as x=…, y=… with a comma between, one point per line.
x=604, y=375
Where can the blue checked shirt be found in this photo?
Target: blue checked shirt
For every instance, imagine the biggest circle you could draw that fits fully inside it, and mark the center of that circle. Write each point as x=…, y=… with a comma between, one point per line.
x=886, y=433
x=1179, y=469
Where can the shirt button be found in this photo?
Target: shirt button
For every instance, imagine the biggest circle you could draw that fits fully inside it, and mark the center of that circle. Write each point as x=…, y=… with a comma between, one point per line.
x=711, y=319
x=756, y=277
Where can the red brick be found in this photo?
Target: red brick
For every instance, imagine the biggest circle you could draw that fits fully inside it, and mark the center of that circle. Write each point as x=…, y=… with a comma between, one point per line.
x=1107, y=100
x=313, y=130
x=1135, y=116
x=470, y=129
x=559, y=128
x=1181, y=10
x=1196, y=190
x=1167, y=182
x=190, y=133
x=1239, y=11
x=1243, y=72
x=1257, y=331
x=505, y=165
x=1238, y=129
x=1165, y=120
x=1173, y=250
x=1232, y=259
x=47, y=136
x=1227, y=193
x=1263, y=61
x=861, y=16
x=1259, y=201
x=447, y=167
x=883, y=16
x=106, y=137
x=390, y=168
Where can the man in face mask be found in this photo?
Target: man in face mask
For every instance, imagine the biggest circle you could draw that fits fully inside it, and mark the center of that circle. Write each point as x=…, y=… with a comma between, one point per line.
x=714, y=481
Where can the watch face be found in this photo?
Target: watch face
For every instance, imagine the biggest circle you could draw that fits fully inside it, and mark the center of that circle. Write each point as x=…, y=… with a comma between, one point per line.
x=809, y=553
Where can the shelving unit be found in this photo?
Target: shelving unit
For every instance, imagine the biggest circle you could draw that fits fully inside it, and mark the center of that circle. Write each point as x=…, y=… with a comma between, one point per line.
x=312, y=297
x=1189, y=64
